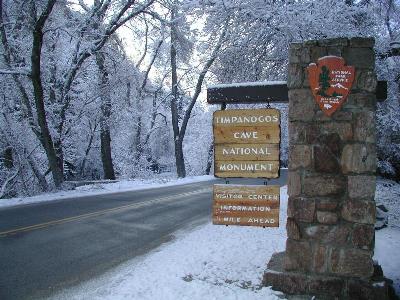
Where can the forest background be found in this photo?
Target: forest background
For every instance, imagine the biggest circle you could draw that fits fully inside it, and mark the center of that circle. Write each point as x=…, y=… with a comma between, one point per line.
x=106, y=89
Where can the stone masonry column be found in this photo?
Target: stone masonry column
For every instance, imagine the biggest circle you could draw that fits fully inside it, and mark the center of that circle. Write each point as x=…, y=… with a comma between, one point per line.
x=331, y=186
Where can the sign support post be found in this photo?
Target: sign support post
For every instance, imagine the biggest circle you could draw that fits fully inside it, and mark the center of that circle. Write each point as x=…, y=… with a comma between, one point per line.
x=246, y=145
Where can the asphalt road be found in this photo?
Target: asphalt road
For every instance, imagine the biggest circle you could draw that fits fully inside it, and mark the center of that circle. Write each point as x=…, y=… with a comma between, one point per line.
x=46, y=247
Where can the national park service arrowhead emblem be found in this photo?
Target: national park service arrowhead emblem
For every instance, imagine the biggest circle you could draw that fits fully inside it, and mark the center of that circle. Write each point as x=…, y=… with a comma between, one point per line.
x=330, y=82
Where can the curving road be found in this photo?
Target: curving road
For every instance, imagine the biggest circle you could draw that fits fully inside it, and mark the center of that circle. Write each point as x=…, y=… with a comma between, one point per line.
x=47, y=247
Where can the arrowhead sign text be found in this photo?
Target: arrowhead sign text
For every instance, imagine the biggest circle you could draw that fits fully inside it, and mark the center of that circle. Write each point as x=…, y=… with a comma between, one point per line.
x=330, y=82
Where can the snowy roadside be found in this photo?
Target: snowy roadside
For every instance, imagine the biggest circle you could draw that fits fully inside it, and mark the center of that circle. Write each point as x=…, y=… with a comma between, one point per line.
x=387, y=240
x=214, y=262
x=209, y=262
x=105, y=188
x=388, y=194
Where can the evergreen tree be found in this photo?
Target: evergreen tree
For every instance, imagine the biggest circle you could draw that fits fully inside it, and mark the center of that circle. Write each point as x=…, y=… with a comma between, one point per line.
x=324, y=82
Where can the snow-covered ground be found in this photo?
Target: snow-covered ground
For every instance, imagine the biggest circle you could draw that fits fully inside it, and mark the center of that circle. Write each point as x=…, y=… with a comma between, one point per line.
x=388, y=194
x=387, y=247
x=215, y=262
x=387, y=240
x=105, y=188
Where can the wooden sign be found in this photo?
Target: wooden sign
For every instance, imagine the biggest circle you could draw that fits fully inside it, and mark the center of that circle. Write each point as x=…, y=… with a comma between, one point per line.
x=246, y=143
x=330, y=82
x=246, y=205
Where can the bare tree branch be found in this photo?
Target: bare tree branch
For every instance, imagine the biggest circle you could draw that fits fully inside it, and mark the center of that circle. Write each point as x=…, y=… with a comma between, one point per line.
x=145, y=44
x=83, y=5
x=8, y=57
x=46, y=136
x=156, y=51
x=115, y=23
x=391, y=53
x=24, y=72
x=201, y=79
x=6, y=182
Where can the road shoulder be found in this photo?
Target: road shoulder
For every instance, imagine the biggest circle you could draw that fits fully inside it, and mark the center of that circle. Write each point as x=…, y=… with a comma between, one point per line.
x=103, y=189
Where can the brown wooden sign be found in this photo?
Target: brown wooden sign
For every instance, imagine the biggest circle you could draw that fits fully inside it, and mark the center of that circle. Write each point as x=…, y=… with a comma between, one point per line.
x=246, y=143
x=330, y=82
x=246, y=205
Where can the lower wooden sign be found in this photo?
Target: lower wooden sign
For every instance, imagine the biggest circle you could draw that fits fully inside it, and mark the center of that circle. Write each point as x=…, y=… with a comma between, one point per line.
x=246, y=205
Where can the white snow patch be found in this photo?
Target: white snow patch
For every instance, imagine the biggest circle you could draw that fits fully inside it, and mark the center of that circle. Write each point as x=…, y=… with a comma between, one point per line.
x=379, y=284
x=387, y=245
x=328, y=56
x=244, y=84
x=104, y=188
x=388, y=194
x=210, y=262
x=387, y=240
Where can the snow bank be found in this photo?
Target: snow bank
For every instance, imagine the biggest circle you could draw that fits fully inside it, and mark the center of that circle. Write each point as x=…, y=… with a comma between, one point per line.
x=388, y=194
x=387, y=240
x=105, y=188
x=387, y=245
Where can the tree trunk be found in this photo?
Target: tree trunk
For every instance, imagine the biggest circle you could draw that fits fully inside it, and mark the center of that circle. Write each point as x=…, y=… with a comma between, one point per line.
x=39, y=176
x=140, y=145
x=210, y=158
x=138, y=140
x=153, y=120
x=105, y=136
x=47, y=140
x=92, y=134
x=7, y=158
x=106, y=158
x=128, y=94
x=179, y=133
x=60, y=154
x=179, y=158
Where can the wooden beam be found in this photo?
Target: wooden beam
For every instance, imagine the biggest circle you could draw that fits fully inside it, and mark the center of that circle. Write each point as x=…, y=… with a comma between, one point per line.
x=263, y=92
x=248, y=93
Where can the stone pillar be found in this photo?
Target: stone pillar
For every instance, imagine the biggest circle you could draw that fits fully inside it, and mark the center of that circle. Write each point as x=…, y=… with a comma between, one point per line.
x=331, y=186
